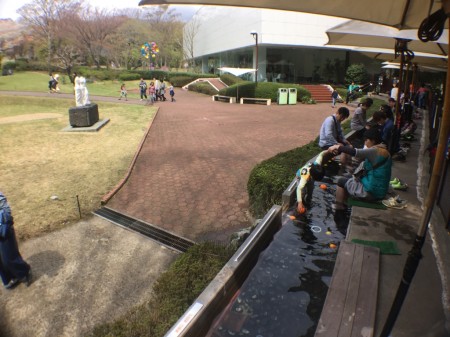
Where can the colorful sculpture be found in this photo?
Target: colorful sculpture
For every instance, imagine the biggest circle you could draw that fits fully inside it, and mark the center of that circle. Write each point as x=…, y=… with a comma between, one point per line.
x=149, y=50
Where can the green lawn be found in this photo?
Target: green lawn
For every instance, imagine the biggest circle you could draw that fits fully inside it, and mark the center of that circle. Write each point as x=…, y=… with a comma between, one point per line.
x=40, y=161
x=38, y=81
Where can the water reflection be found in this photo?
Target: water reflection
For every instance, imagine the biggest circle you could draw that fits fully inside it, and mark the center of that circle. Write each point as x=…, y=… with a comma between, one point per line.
x=284, y=293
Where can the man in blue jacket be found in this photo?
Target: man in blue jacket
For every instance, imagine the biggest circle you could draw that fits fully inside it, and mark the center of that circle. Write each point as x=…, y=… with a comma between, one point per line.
x=13, y=269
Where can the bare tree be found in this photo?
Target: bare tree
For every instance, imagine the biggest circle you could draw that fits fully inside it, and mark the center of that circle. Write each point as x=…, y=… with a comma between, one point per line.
x=166, y=28
x=93, y=27
x=189, y=34
x=126, y=43
x=43, y=16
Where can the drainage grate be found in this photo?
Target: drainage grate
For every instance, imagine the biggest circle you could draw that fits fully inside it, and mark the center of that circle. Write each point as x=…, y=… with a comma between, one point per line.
x=167, y=239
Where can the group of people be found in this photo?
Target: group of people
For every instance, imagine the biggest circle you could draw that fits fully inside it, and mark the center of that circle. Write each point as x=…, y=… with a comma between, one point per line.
x=156, y=90
x=370, y=179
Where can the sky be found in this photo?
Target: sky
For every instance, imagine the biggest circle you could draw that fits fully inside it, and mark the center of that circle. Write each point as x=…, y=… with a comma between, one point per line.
x=8, y=8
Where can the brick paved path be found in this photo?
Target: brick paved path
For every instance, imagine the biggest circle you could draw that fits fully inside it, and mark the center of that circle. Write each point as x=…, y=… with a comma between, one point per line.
x=191, y=175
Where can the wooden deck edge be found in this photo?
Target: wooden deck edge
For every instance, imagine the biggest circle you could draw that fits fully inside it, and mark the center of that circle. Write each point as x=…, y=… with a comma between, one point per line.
x=350, y=306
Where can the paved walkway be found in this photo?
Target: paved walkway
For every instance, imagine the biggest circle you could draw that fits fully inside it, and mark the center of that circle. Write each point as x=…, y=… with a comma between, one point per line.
x=191, y=175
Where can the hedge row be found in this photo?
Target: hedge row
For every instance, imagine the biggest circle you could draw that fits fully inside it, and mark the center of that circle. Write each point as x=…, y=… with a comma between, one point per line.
x=203, y=88
x=178, y=79
x=230, y=79
x=269, y=179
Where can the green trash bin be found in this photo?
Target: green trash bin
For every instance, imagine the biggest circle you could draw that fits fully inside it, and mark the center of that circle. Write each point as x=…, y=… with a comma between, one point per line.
x=292, y=96
x=282, y=96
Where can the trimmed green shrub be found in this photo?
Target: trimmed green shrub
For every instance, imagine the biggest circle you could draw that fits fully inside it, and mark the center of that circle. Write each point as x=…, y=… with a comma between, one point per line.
x=203, y=88
x=181, y=81
x=97, y=74
x=269, y=179
x=307, y=100
x=262, y=90
x=129, y=76
x=9, y=65
x=150, y=74
x=230, y=79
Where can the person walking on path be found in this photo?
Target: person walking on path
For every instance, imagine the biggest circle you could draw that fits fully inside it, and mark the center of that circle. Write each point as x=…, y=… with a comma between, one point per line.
x=162, y=91
x=123, y=92
x=152, y=92
x=334, y=96
x=13, y=269
x=52, y=83
x=143, y=89
x=157, y=87
x=171, y=93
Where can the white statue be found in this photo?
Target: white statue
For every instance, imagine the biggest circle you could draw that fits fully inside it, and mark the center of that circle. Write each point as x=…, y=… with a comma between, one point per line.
x=81, y=92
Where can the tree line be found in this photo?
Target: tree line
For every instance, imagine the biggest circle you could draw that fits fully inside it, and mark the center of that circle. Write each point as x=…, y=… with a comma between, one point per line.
x=67, y=33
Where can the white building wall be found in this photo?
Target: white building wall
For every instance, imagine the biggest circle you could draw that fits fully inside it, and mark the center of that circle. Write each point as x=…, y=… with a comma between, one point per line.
x=288, y=42
x=299, y=29
x=225, y=28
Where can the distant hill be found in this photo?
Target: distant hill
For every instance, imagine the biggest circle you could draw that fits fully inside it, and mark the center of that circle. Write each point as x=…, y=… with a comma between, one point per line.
x=9, y=27
x=11, y=34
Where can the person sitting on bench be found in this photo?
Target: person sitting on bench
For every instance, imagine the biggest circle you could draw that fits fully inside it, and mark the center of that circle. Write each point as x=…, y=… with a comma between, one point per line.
x=370, y=181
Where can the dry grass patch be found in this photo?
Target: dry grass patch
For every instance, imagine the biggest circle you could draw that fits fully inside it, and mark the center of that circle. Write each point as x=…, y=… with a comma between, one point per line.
x=40, y=161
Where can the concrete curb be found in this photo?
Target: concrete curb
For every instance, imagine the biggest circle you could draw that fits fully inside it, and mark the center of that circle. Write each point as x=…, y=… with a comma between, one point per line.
x=110, y=194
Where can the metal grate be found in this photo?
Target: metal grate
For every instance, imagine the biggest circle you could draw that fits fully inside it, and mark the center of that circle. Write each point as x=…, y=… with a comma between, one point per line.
x=166, y=238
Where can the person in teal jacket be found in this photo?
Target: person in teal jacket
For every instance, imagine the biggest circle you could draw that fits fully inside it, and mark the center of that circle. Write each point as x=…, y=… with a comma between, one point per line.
x=370, y=181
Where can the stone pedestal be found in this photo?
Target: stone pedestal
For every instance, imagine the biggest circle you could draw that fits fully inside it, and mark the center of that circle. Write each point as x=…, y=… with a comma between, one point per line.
x=82, y=116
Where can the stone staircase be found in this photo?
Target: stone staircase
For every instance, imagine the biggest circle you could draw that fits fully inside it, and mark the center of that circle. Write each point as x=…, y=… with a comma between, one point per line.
x=321, y=93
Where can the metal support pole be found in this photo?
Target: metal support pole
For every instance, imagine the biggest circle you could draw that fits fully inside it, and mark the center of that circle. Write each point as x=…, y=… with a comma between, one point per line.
x=255, y=36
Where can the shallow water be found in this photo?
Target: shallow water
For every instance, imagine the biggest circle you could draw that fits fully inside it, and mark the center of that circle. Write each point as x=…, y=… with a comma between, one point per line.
x=284, y=293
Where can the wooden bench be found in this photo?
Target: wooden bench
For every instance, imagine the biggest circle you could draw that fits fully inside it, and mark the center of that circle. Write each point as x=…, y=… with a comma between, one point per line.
x=350, y=305
x=266, y=101
x=220, y=98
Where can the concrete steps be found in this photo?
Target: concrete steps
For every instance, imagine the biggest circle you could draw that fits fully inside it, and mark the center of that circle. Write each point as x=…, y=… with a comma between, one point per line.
x=321, y=93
